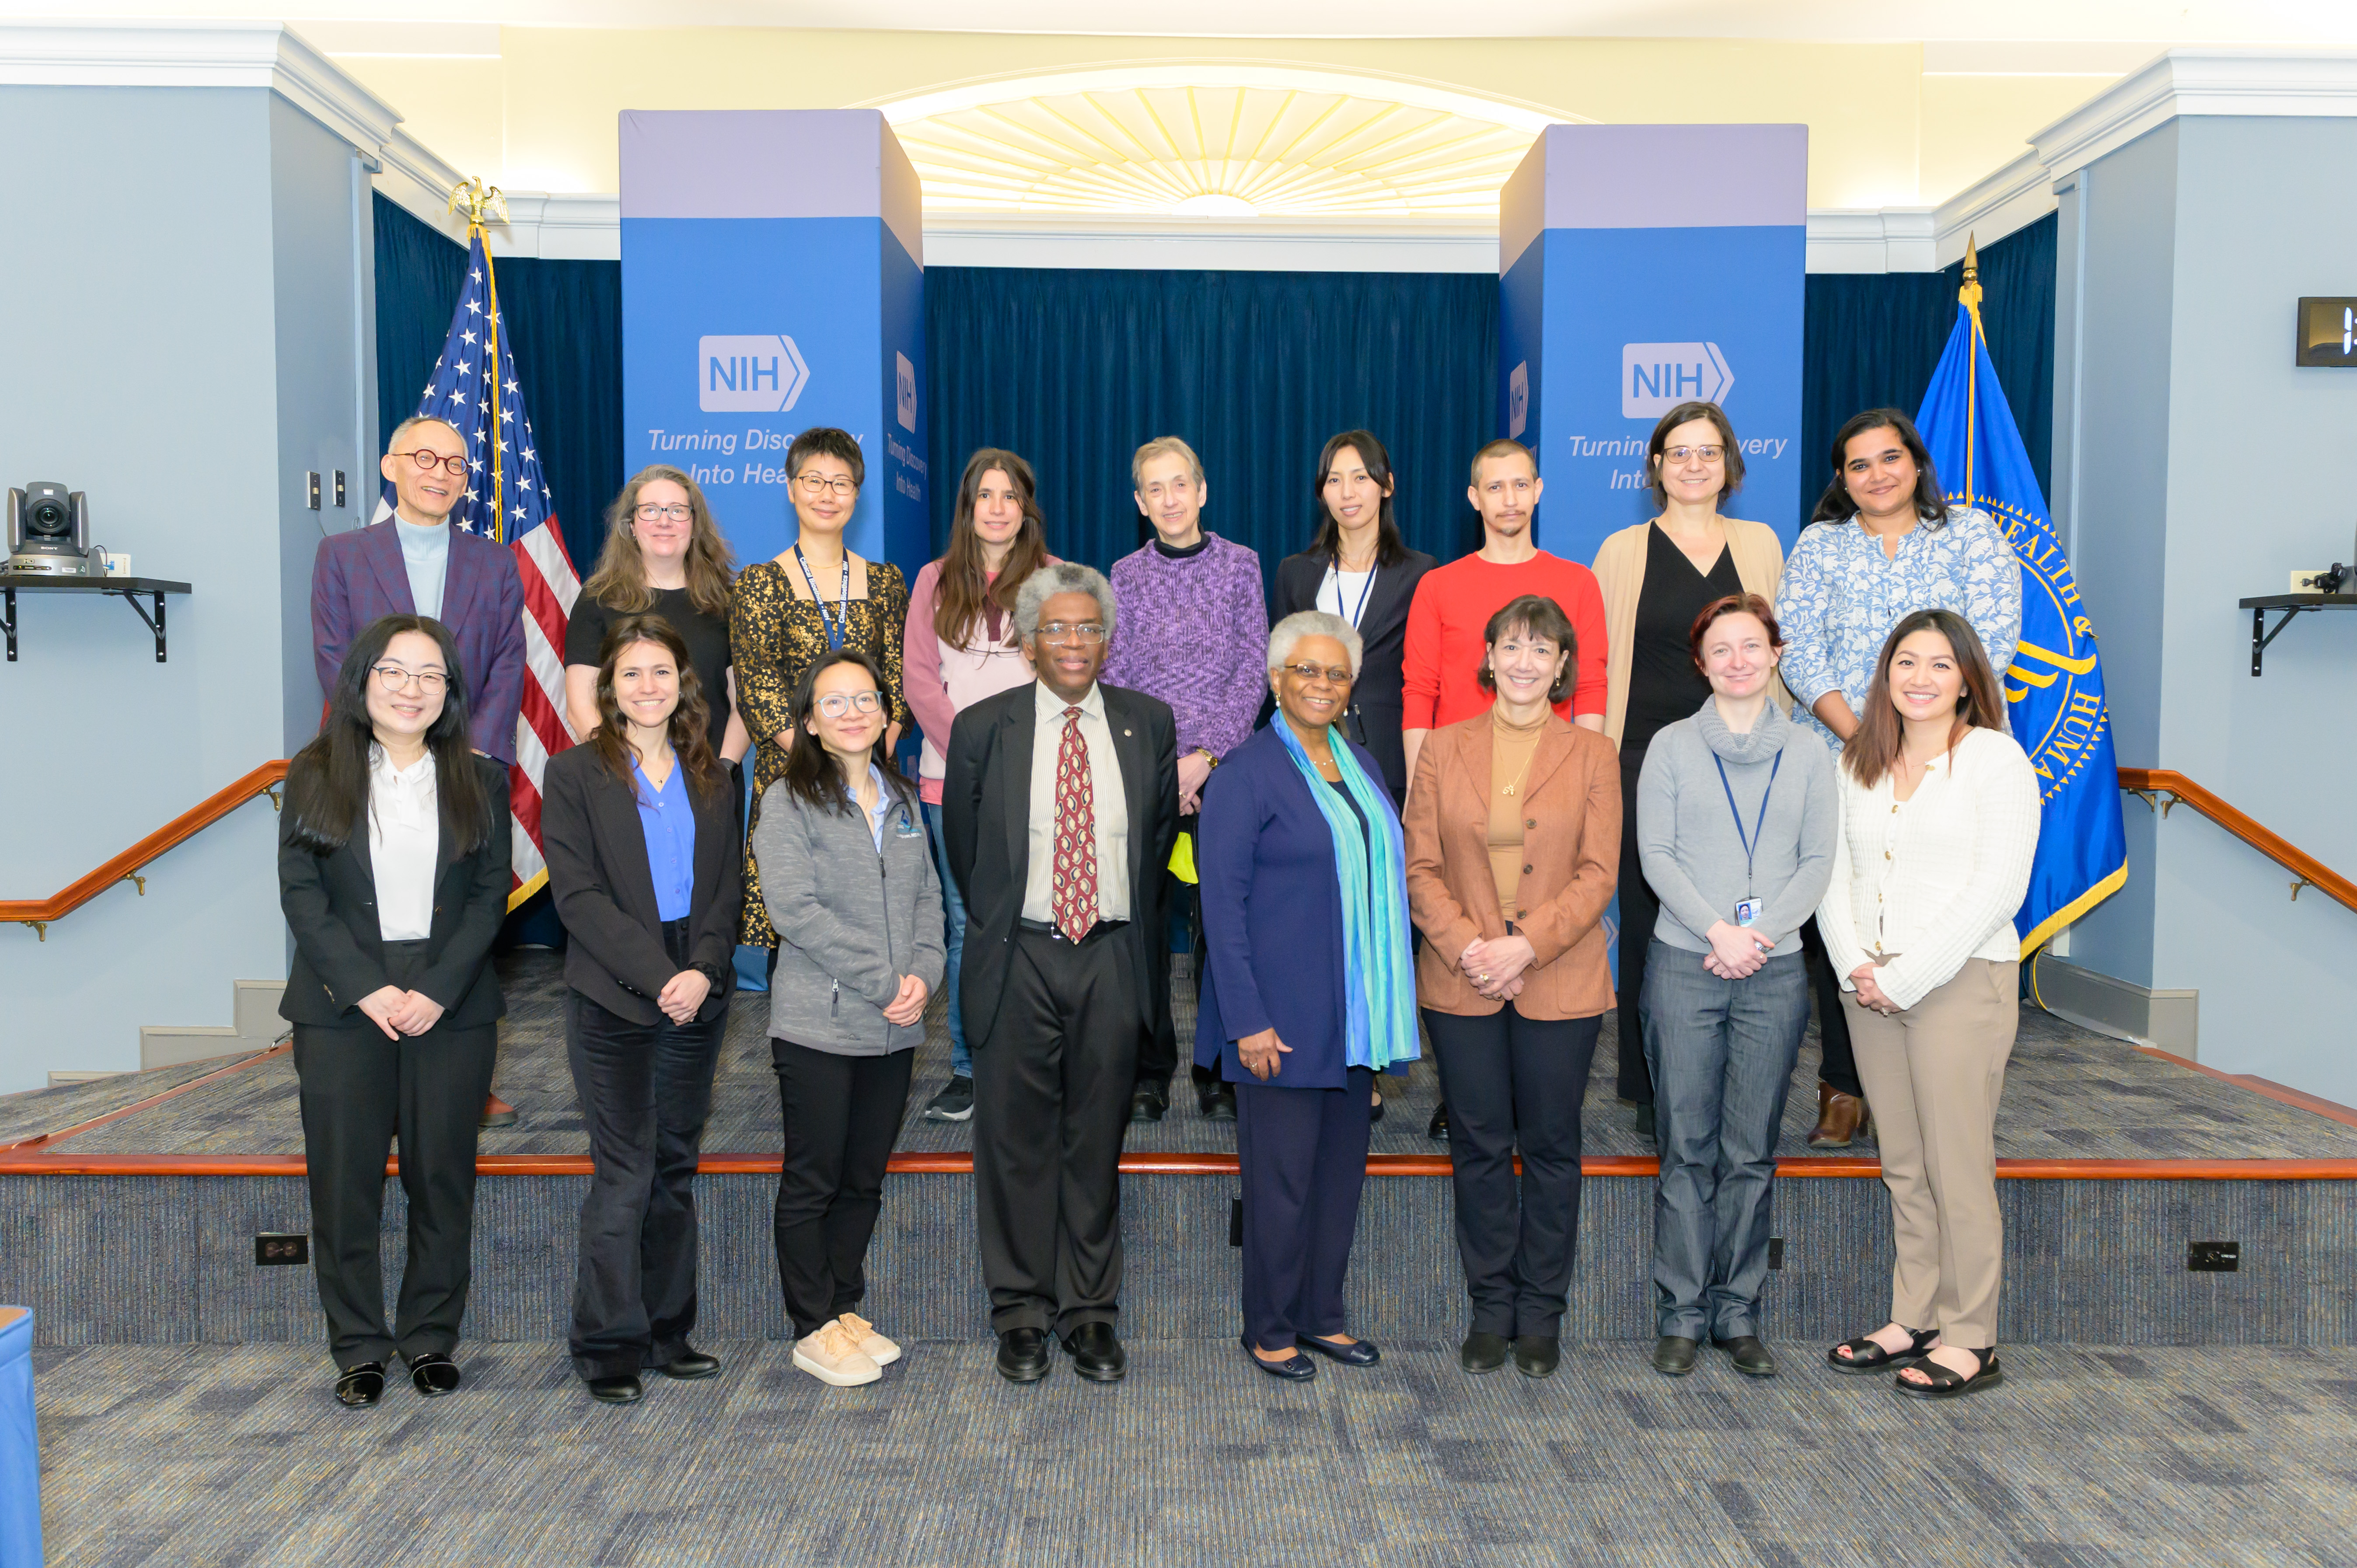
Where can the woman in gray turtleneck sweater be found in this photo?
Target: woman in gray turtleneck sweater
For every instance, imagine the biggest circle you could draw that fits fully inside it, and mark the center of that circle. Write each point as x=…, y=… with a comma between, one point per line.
x=1737, y=811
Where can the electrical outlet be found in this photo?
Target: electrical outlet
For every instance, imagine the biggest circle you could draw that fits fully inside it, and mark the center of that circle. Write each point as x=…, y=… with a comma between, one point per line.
x=340, y=489
x=1775, y=1251
x=273, y=1246
x=312, y=479
x=2213, y=1257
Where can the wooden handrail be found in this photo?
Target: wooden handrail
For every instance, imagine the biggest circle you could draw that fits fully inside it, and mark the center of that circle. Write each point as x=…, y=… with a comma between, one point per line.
x=2309, y=871
x=125, y=867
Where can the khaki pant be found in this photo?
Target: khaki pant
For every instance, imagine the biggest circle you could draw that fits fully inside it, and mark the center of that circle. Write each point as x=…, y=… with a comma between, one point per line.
x=1932, y=1074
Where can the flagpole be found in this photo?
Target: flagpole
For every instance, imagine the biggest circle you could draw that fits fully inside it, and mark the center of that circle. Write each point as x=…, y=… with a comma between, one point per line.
x=1968, y=297
x=482, y=203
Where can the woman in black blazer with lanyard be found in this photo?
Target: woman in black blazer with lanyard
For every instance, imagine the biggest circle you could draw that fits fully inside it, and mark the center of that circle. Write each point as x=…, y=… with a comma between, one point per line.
x=392, y=869
x=1357, y=569
x=639, y=822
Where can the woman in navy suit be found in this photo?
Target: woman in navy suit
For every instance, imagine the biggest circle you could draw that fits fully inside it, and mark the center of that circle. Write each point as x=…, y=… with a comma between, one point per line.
x=1307, y=993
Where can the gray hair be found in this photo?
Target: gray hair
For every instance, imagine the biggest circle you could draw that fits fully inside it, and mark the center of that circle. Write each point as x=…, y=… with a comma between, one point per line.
x=393, y=443
x=1060, y=577
x=1288, y=633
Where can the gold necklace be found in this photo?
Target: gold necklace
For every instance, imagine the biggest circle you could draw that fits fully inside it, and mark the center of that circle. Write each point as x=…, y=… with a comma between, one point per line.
x=1500, y=729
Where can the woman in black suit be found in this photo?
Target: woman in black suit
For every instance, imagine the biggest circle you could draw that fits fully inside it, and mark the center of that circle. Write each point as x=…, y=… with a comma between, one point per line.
x=392, y=869
x=639, y=823
x=1357, y=568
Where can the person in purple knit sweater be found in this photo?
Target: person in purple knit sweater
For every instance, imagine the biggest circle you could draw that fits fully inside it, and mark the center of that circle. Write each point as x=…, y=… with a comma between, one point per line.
x=1190, y=614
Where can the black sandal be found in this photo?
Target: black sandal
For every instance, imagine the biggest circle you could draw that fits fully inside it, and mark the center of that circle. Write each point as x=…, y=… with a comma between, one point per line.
x=1947, y=1383
x=1867, y=1355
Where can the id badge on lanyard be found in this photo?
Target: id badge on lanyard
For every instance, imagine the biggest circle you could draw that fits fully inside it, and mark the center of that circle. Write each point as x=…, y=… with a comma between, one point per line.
x=1746, y=909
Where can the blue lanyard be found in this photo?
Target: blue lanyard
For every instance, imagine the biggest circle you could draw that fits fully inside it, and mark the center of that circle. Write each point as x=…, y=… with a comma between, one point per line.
x=1366, y=591
x=1750, y=845
x=836, y=631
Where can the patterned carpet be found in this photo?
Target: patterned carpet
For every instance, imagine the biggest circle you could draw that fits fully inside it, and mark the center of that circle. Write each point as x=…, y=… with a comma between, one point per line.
x=2069, y=1094
x=2085, y=1457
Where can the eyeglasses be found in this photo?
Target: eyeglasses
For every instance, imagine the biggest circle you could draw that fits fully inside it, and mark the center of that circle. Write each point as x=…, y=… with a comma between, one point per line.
x=1339, y=676
x=394, y=678
x=835, y=705
x=429, y=461
x=819, y=484
x=1087, y=631
x=677, y=511
x=1681, y=453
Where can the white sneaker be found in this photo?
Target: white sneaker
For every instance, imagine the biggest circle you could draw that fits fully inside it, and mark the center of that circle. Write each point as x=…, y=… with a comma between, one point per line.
x=833, y=1356
x=872, y=1345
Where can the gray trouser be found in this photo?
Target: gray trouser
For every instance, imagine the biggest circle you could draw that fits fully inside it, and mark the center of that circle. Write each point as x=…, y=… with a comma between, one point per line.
x=1721, y=1053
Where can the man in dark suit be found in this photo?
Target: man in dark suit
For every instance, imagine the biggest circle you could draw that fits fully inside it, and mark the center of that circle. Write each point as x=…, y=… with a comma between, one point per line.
x=415, y=562
x=1059, y=810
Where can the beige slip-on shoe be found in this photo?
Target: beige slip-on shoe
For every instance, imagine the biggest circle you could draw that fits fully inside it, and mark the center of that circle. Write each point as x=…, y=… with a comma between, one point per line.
x=872, y=1345
x=832, y=1357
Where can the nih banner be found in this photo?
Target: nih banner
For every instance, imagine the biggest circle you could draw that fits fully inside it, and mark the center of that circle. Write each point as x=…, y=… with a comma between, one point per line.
x=1640, y=267
x=772, y=280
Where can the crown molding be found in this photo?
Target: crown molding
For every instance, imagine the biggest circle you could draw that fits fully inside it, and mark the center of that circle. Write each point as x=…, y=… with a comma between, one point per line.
x=1992, y=207
x=198, y=54
x=1870, y=240
x=2181, y=82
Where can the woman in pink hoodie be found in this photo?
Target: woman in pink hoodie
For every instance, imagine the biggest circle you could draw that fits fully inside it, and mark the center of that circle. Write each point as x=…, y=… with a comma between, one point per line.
x=962, y=648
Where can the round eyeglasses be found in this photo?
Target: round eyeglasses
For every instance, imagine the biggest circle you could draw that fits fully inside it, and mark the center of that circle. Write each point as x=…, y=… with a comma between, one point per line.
x=429, y=461
x=394, y=678
x=837, y=704
x=820, y=484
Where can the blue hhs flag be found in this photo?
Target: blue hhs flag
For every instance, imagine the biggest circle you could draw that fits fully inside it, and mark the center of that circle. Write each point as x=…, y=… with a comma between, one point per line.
x=2055, y=687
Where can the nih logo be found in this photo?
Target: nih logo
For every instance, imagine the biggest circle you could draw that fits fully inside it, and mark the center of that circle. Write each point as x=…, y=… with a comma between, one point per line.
x=1657, y=377
x=749, y=375
x=1518, y=401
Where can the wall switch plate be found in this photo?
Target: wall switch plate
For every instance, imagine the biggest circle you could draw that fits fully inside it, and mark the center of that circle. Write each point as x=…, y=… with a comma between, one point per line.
x=2213, y=1257
x=275, y=1247
x=118, y=562
x=1775, y=1251
x=312, y=485
x=340, y=489
x=2304, y=581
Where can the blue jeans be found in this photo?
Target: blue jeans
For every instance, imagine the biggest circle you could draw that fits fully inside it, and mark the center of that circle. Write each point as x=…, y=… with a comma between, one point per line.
x=953, y=906
x=1721, y=1053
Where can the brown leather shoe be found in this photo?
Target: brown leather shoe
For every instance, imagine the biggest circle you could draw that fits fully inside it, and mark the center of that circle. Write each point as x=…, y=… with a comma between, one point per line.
x=1840, y=1117
x=498, y=1112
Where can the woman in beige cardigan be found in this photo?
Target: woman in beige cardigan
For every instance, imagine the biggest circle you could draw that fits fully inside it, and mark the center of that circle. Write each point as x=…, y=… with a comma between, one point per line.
x=1657, y=578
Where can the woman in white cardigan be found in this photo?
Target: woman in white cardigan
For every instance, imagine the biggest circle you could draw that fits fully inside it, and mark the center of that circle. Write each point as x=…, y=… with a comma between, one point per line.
x=1940, y=814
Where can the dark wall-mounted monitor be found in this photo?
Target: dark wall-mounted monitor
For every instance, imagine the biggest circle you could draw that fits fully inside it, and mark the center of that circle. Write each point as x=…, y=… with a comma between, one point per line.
x=2328, y=333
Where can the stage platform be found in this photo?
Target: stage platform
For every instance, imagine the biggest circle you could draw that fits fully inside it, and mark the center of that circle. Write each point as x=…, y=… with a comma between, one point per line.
x=128, y=1206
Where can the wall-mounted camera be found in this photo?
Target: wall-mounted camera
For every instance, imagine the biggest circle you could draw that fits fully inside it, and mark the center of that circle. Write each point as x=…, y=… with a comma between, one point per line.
x=48, y=531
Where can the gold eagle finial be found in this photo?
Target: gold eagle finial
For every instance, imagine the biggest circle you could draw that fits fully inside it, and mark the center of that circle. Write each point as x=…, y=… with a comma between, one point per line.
x=481, y=203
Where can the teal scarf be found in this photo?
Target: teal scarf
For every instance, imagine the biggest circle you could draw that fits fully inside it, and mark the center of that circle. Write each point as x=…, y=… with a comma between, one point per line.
x=1373, y=870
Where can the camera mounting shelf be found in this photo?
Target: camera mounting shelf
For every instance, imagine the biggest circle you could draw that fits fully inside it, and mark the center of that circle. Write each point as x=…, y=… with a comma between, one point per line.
x=2292, y=605
x=130, y=589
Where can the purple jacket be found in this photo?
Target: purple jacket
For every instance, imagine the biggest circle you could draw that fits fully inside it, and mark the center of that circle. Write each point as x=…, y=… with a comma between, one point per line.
x=361, y=576
x=1192, y=632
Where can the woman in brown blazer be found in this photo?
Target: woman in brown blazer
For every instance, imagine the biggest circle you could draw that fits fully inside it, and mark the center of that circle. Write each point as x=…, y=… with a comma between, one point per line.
x=1514, y=838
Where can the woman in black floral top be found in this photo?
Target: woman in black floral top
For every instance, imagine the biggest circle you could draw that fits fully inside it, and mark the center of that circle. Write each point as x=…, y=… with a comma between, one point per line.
x=789, y=612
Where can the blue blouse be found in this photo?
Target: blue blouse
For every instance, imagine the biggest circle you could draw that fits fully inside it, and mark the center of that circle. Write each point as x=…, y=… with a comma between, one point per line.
x=668, y=818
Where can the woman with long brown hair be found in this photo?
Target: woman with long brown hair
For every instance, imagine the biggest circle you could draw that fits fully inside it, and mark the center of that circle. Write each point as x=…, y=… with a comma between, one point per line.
x=961, y=647
x=1938, y=824
x=663, y=554
x=639, y=823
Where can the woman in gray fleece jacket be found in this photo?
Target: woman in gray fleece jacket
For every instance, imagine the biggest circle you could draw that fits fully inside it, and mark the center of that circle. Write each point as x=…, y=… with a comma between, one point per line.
x=856, y=904
x=1737, y=811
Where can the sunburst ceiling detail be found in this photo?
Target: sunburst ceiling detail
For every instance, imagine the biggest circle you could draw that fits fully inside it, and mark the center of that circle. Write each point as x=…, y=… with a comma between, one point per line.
x=1245, y=150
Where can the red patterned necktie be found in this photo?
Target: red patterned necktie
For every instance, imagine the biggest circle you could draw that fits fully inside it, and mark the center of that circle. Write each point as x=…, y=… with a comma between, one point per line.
x=1075, y=894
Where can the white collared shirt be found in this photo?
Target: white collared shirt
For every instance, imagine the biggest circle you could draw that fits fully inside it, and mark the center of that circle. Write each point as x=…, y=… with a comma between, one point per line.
x=425, y=555
x=404, y=841
x=1110, y=804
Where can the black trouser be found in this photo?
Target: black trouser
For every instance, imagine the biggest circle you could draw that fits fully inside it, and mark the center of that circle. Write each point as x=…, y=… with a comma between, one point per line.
x=1512, y=1079
x=359, y=1090
x=1050, y=1105
x=1157, y=1054
x=1303, y=1154
x=1839, y=1067
x=841, y=1114
x=1639, y=911
x=645, y=1090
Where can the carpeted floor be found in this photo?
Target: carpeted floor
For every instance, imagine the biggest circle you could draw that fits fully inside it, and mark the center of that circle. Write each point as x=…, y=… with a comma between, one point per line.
x=2069, y=1094
x=2085, y=1457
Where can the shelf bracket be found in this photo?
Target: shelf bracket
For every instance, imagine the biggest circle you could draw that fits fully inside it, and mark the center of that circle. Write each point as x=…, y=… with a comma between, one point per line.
x=10, y=623
x=2260, y=635
x=155, y=621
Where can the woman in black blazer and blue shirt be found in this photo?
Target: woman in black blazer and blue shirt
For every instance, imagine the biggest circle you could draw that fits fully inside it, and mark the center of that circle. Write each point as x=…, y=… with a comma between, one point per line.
x=639, y=823
x=392, y=869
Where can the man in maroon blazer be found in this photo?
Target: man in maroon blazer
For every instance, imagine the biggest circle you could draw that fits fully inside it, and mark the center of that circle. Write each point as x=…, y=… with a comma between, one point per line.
x=415, y=562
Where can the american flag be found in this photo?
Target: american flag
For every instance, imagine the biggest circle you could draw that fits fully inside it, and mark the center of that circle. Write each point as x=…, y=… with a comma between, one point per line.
x=508, y=498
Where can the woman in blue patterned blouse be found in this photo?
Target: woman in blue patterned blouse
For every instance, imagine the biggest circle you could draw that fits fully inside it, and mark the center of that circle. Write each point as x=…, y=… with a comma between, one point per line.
x=1882, y=544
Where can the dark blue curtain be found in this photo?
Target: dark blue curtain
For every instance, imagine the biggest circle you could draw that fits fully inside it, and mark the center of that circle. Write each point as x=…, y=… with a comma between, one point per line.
x=1075, y=368
x=566, y=321
x=1874, y=338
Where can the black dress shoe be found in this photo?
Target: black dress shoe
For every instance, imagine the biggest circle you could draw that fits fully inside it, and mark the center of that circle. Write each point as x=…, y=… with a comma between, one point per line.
x=1438, y=1128
x=1096, y=1353
x=1217, y=1101
x=361, y=1386
x=1750, y=1357
x=1375, y=1109
x=1147, y=1102
x=1360, y=1353
x=692, y=1363
x=1482, y=1352
x=1537, y=1355
x=1023, y=1355
x=1673, y=1355
x=1646, y=1128
x=624, y=1389
x=1294, y=1369
x=432, y=1374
